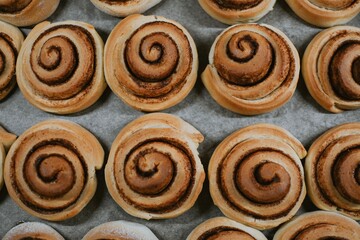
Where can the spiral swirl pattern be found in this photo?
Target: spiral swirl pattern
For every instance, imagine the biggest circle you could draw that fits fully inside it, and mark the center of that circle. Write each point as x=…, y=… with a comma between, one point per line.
x=60, y=67
x=32, y=231
x=331, y=68
x=50, y=170
x=253, y=69
x=11, y=40
x=319, y=225
x=26, y=12
x=153, y=169
x=256, y=176
x=150, y=62
x=123, y=8
x=325, y=13
x=120, y=230
x=333, y=172
x=221, y=228
x=235, y=11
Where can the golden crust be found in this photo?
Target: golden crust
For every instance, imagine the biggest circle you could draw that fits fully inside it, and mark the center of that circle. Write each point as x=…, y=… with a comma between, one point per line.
x=124, y=8
x=32, y=230
x=323, y=14
x=120, y=230
x=213, y=226
x=237, y=15
x=269, y=150
x=37, y=188
x=34, y=12
x=6, y=140
x=163, y=148
x=319, y=225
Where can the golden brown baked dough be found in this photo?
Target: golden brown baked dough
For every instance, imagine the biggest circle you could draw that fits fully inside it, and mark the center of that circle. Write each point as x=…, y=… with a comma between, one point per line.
x=60, y=67
x=331, y=68
x=252, y=69
x=26, y=12
x=50, y=169
x=11, y=40
x=151, y=62
x=6, y=140
x=332, y=170
x=120, y=230
x=319, y=225
x=256, y=176
x=32, y=231
x=123, y=8
x=221, y=228
x=325, y=13
x=235, y=11
x=154, y=171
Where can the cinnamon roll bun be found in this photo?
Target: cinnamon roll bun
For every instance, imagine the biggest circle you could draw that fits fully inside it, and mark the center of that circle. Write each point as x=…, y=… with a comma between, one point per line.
x=235, y=11
x=252, y=69
x=32, y=231
x=120, y=230
x=333, y=170
x=256, y=176
x=331, y=68
x=325, y=13
x=26, y=12
x=151, y=62
x=123, y=8
x=11, y=40
x=6, y=140
x=319, y=225
x=154, y=171
x=60, y=67
x=50, y=170
x=221, y=228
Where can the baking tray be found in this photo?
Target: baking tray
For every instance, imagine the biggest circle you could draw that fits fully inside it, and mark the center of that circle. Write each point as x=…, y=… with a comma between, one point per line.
x=302, y=116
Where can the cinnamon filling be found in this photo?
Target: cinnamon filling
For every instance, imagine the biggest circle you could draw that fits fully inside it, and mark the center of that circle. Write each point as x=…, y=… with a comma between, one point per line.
x=237, y=4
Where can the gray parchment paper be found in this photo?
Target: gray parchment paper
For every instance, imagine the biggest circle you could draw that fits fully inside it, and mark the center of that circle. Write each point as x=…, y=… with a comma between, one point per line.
x=302, y=116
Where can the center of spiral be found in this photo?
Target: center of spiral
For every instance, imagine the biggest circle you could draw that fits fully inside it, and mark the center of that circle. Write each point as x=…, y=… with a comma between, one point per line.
x=346, y=172
x=265, y=182
x=158, y=56
x=51, y=175
x=344, y=71
x=150, y=172
x=246, y=59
